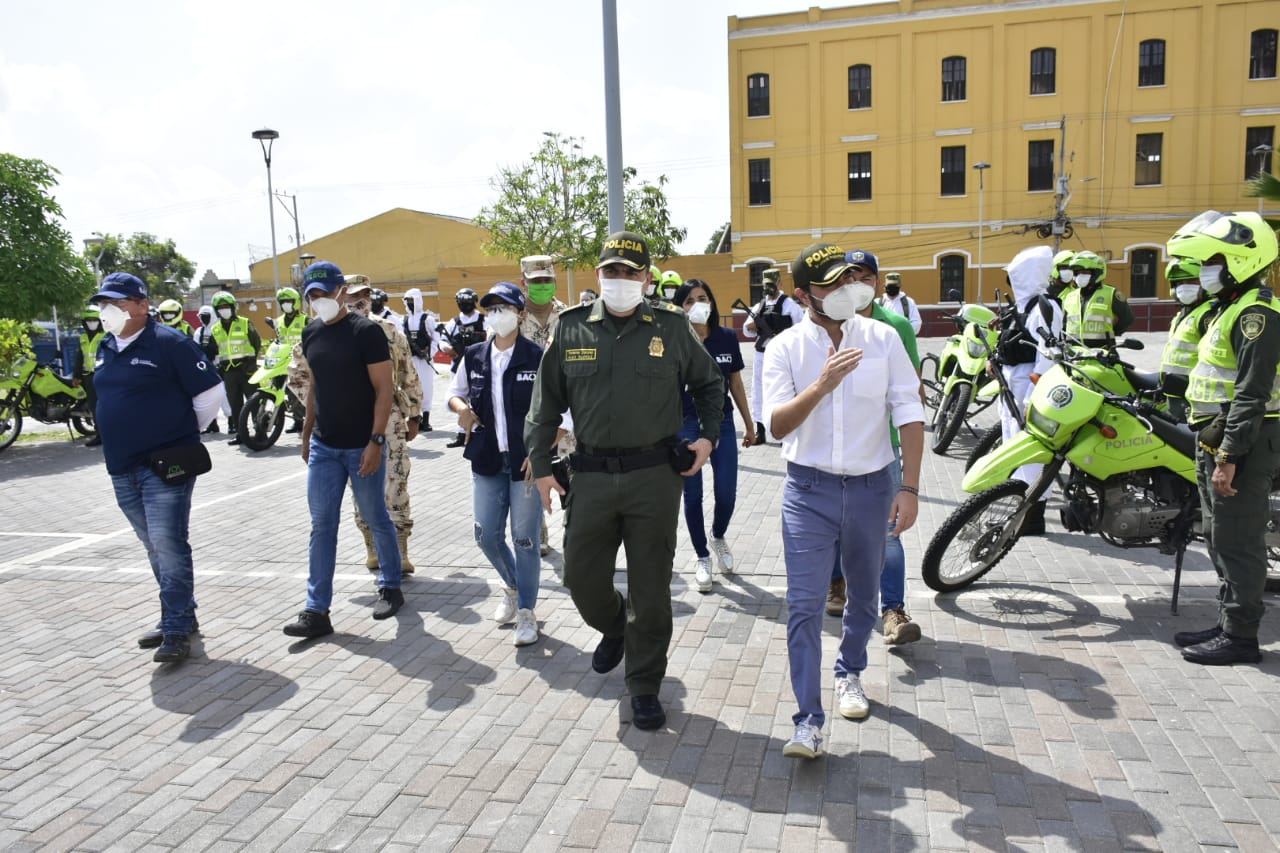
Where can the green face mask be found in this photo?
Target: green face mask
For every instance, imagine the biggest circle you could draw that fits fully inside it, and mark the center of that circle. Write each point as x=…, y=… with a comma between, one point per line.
x=541, y=294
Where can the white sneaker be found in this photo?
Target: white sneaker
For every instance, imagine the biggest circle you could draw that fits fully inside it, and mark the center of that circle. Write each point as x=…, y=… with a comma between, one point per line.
x=702, y=574
x=720, y=548
x=806, y=742
x=506, y=612
x=526, y=632
x=850, y=700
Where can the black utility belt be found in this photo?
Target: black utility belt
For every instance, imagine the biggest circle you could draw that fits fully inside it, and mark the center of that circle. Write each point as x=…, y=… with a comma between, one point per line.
x=620, y=460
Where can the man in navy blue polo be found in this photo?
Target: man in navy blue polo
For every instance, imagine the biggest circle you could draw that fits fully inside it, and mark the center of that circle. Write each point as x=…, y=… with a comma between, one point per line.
x=156, y=390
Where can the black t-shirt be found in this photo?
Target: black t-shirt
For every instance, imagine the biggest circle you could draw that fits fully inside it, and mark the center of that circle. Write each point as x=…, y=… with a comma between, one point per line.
x=339, y=356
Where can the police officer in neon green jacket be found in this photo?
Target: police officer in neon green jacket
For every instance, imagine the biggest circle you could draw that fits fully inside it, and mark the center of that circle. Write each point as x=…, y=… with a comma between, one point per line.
x=1093, y=311
x=1185, y=331
x=238, y=345
x=1234, y=395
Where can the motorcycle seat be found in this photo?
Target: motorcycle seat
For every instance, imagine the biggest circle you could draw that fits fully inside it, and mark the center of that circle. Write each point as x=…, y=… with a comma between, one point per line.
x=1141, y=380
x=1178, y=436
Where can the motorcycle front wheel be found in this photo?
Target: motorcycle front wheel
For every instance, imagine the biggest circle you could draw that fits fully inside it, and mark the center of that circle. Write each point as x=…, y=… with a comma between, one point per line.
x=10, y=422
x=972, y=539
x=84, y=425
x=261, y=421
x=949, y=416
x=929, y=378
x=987, y=442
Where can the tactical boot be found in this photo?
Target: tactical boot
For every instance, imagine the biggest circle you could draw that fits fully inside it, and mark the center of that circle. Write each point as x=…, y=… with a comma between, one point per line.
x=370, y=552
x=836, y=598
x=1033, y=521
x=406, y=565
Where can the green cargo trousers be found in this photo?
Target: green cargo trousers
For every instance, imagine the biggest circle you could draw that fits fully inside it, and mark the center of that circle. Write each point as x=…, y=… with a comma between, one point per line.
x=1236, y=529
x=637, y=510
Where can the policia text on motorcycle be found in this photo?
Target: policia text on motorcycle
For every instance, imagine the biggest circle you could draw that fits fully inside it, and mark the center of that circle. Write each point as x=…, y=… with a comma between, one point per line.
x=1233, y=392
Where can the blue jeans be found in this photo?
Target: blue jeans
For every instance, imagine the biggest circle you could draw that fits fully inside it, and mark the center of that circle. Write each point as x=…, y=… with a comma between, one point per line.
x=893, y=577
x=328, y=471
x=159, y=514
x=828, y=517
x=724, y=482
x=493, y=498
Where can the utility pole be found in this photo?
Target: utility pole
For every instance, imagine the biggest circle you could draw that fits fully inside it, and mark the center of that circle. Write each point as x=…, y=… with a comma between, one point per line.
x=1062, y=195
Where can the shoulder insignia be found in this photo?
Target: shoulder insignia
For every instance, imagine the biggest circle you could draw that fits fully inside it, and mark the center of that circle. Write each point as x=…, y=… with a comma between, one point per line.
x=1266, y=294
x=1251, y=325
x=667, y=306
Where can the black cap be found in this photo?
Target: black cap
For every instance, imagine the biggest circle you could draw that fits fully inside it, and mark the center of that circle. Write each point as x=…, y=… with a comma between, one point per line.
x=624, y=247
x=821, y=264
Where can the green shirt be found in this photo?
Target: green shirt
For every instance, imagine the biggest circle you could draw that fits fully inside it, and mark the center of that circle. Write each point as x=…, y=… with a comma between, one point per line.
x=620, y=378
x=902, y=326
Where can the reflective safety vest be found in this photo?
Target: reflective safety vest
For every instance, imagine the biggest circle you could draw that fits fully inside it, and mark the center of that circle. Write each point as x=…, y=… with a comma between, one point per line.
x=289, y=327
x=1213, y=378
x=233, y=345
x=1179, y=354
x=1093, y=322
x=89, y=349
x=184, y=327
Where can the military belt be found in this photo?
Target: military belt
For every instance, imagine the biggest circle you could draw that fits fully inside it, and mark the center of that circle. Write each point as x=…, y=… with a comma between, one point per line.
x=620, y=460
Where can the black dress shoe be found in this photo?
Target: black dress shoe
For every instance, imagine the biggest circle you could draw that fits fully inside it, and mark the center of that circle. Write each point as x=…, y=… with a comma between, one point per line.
x=760, y=434
x=608, y=654
x=212, y=428
x=174, y=648
x=309, y=624
x=153, y=638
x=235, y=439
x=1195, y=638
x=647, y=712
x=1223, y=650
x=458, y=440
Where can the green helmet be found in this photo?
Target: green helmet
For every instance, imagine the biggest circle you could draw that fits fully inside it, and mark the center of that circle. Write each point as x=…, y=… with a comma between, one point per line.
x=222, y=299
x=1182, y=269
x=655, y=273
x=1244, y=239
x=287, y=294
x=1092, y=263
x=90, y=312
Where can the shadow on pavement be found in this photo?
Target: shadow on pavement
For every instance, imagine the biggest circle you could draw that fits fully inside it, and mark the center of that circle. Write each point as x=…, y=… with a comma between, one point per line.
x=49, y=457
x=216, y=695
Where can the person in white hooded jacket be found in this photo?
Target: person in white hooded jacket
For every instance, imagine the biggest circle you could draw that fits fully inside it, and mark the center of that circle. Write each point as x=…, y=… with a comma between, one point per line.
x=1024, y=355
x=419, y=326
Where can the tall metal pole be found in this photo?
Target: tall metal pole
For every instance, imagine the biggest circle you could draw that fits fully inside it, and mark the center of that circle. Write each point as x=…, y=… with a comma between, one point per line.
x=613, y=115
x=1060, y=196
x=982, y=168
x=266, y=138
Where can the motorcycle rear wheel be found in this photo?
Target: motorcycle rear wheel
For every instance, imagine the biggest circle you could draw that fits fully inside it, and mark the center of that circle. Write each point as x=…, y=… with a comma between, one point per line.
x=10, y=423
x=992, y=438
x=949, y=416
x=967, y=545
x=261, y=421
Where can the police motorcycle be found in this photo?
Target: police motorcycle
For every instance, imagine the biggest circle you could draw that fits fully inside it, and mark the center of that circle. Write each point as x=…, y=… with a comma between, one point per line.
x=263, y=414
x=1132, y=479
x=961, y=384
x=37, y=391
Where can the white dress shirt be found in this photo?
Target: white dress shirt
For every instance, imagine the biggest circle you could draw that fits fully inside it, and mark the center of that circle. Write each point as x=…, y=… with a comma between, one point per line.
x=847, y=433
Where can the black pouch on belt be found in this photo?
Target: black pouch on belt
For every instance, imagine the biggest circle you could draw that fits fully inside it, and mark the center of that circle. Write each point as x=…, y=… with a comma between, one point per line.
x=682, y=456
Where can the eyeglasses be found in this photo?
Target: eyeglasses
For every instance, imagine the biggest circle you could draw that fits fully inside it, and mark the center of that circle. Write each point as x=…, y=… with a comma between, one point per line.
x=117, y=302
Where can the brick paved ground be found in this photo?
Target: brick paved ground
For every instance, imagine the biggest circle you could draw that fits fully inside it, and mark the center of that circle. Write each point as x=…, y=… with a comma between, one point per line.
x=1044, y=710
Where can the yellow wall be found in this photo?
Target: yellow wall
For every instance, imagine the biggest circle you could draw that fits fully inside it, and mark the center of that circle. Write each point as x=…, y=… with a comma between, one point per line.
x=807, y=135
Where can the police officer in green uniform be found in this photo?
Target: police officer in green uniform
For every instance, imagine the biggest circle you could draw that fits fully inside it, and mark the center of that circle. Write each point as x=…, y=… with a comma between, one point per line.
x=1094, y=312
x=289, y=326
x=618, y=365
x=1185, y=331
x=238, y=346
x=1234, y=394
x=86, y=360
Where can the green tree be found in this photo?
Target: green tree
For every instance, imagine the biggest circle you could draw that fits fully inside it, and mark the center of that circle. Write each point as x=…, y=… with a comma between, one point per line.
x=713, y=245
x=157, y=262
x=558, y=204
x=39, y=269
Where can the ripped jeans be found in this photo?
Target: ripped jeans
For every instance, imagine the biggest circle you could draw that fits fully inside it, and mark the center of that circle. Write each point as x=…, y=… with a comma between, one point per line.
x=493, y=499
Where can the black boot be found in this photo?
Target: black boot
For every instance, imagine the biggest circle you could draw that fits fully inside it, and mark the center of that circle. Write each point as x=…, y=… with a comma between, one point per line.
x=760, y=433
x=94, y=441
x=458, y=440
x=212, y=428
x=1033, y=522
x=1223, y=650
x=424, y=424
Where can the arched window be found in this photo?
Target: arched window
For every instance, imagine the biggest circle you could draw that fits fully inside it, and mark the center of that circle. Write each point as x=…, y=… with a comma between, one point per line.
x=757, y=95
x=859, y=87
x=954, y=74
x=1151, y=63
x=951, y=278
x=1262, y=54
x=1044, y=71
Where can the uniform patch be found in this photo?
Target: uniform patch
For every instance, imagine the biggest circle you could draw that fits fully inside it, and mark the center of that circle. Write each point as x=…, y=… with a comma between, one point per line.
x=1251, y=326
x=580, y=354
x=656, y=347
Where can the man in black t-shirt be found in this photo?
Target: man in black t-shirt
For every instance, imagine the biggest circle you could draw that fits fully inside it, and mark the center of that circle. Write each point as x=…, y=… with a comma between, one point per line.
x=343, y=440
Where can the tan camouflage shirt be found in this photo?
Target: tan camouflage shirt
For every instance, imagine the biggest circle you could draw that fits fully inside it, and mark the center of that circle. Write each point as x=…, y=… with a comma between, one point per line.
x=408, y=392
x=535, y=331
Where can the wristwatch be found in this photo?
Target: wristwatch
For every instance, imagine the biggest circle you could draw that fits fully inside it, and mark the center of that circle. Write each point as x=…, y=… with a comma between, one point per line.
x=378, y=439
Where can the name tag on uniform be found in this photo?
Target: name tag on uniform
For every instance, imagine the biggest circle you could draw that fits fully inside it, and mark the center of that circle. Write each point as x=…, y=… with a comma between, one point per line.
x=526, y=375
x=580, y=355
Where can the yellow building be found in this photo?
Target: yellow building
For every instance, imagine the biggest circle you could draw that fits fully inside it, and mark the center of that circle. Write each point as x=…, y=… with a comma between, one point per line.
x=1115, y=121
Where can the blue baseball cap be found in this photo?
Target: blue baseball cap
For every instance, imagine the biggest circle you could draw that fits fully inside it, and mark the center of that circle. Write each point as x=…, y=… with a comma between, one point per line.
x=866, y=260
x=121, y=285
x=504, y=291
x=322, y=275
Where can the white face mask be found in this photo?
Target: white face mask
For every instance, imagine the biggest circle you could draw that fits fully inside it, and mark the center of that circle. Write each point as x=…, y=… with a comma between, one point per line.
x=225, y=313
x=1211, y=278
x=502, y=321
x=326, y=309
x=1187, y=293
x=1083, y=279
x=700, y=313
x=286, y=307
x=847, y=301
x=621, y=294
x=1065, y=276
x=114, y=318
x=91, y=325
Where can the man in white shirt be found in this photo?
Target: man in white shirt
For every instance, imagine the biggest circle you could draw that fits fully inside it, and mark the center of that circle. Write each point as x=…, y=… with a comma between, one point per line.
x=419, y=326
x=773, y=314
x=897, y=301
x=831, y=383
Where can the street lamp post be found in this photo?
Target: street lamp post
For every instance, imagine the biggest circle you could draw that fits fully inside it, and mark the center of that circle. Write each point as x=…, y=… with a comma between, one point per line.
x=1262, y=151
x=982, y=168
x=96, y=241
x=266, y=138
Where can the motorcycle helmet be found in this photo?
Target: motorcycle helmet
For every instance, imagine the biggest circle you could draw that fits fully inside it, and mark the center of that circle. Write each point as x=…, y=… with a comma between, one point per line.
x=1182, y=269
x=171, y=312
x=287, y=295
x=90, y=312
x=466, y=299
x=1243, y=239
x=655, y=281
x=670, y=281
x=1091, y=264
x=223, y=299
x=1062, y=263
x=379, y=300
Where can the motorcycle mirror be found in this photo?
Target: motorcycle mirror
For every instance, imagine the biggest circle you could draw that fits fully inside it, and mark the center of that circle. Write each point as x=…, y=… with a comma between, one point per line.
x=271, y=321
x=955, y=295
x=1132, y=343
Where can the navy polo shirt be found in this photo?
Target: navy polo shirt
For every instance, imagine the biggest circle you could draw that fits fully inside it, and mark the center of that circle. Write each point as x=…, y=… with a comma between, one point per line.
x=145, y=393
x=722, y=343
